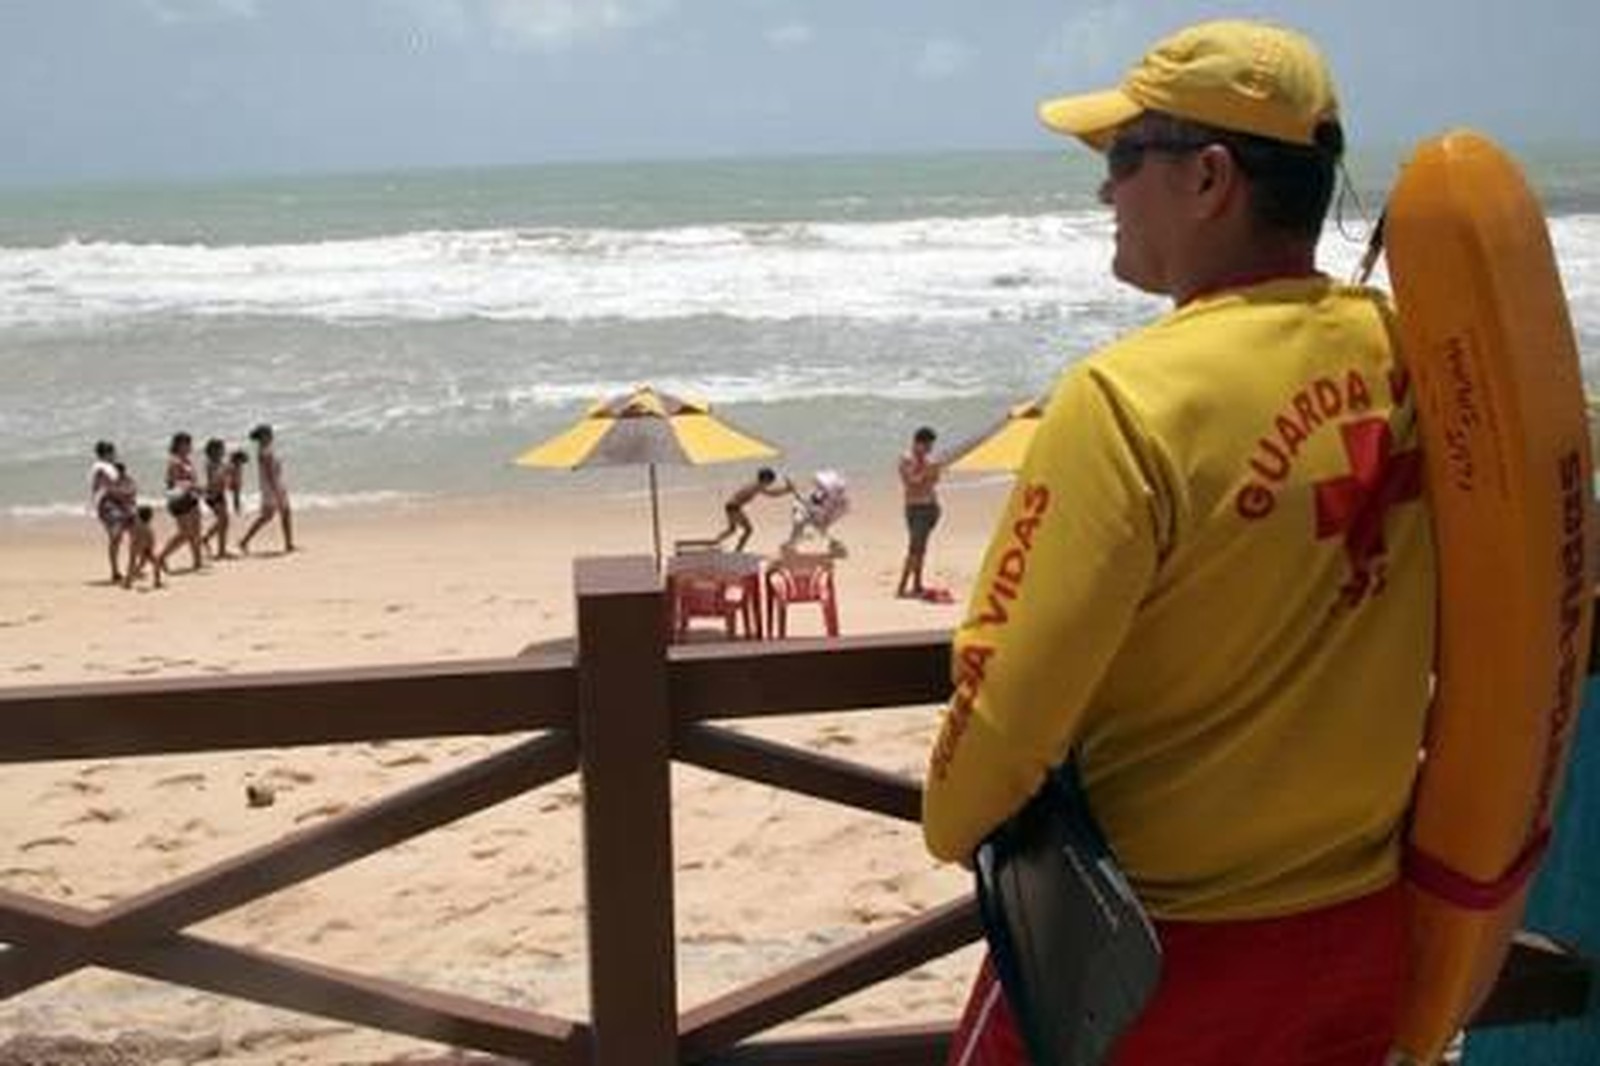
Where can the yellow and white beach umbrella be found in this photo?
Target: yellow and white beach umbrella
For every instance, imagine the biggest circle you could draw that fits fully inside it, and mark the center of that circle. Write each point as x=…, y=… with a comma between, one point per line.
x=645, y=427
x=1005, y=445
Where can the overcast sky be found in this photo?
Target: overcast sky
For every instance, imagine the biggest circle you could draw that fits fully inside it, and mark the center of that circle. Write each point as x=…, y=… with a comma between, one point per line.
x=145, y=88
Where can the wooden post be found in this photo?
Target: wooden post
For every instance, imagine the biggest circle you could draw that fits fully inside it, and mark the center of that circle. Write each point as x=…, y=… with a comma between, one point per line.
x=1565, y=906
x=625, y=743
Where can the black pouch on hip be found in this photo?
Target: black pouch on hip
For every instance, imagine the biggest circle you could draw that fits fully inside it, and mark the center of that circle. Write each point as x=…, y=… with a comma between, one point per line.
x=1074, y=951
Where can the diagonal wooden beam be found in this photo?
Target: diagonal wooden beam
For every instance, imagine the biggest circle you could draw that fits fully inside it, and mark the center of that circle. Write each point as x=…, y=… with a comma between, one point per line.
x=897, y=1046
x=373, y=1002
x=311, y=988
x=809, y=773
x=61, y=940
x=718, y=1025
x=28, y=919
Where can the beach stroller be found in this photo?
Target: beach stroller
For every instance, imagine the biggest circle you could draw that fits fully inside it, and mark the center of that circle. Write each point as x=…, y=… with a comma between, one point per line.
x=815, y=512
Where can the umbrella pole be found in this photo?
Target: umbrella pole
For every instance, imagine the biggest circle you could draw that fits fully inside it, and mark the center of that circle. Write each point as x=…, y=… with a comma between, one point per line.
x=655, y=515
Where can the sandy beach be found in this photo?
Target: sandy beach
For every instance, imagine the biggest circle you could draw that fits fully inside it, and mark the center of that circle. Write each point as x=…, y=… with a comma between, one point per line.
x=489, y=906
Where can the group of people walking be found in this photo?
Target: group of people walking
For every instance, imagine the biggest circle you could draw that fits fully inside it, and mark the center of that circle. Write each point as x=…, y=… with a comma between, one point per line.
x=190, y=493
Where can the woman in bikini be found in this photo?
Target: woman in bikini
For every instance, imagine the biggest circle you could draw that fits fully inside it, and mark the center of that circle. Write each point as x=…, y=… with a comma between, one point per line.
x=183, y=500
x=114, y=514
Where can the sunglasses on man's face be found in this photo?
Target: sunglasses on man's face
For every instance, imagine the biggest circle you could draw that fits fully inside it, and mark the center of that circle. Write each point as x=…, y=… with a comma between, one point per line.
x=1125, y=154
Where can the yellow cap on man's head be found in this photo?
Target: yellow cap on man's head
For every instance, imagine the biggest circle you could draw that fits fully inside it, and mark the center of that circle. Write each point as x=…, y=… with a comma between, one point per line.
x=1251, y=77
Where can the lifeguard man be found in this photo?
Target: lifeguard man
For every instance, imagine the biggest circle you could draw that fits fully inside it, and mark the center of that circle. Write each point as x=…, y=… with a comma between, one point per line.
x=1214, y=581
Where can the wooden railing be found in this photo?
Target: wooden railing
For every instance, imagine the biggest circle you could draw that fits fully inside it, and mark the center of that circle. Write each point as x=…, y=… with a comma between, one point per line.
x=618, y=710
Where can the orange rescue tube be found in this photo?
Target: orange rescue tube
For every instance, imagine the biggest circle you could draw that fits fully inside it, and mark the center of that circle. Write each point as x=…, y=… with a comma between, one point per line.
x=1488, y=342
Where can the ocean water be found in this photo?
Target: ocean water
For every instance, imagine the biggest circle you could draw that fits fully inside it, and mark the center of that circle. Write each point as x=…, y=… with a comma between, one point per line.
x=409, y=333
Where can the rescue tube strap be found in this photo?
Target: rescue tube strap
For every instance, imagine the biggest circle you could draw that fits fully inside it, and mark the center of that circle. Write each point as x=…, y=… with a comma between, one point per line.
x=1439, y=880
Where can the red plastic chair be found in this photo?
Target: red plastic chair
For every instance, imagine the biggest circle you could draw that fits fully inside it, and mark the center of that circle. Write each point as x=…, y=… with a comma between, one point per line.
x=801, y=579
x=705, y=596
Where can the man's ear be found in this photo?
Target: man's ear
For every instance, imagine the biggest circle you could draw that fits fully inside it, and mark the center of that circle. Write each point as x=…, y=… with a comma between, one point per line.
x=1216, y=178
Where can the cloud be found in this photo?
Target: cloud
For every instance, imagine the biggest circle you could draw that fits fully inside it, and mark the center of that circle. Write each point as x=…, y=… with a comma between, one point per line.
x=942, y=58
x=1096, y=43
x=556, y=25
x=173, y=11
x=790, y=35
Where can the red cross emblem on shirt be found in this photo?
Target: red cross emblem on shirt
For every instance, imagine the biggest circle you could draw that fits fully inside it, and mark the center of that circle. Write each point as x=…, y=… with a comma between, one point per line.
x=1356, y=504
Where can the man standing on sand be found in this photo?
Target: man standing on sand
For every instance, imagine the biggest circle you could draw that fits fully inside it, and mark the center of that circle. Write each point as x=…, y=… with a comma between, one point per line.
x=274, y=491
x=1214, y=582
x=919, y=478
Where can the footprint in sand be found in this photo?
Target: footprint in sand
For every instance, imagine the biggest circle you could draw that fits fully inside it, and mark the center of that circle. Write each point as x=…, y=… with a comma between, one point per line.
x=99, y=816
x=330, y=928
x=559, y=802
x=28, y=668
x=833, y=737
x=486, y=852
x=193, y=779
x=323, y=810
x=97, y=768
x=288, y=775
x=162, y=844
x=415, y=758
x=47, y=842
x=394, y=608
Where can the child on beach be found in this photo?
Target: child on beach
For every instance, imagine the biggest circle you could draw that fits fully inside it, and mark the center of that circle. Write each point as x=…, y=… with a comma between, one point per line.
x=142, y=548
x=238, y=459
x=216, y=497
x=274, y=492
x=765, y=484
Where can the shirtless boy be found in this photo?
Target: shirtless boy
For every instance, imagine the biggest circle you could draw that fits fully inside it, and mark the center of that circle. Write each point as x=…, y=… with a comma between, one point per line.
x=765, y=484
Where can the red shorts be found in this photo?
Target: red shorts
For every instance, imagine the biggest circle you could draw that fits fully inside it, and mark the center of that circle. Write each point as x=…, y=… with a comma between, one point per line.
x=1320, y=988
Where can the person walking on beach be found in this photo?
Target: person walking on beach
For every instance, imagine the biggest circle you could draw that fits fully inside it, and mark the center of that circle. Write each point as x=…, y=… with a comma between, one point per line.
x=765, y=484
x=183, y=500
x=142, y=548
x=919, y=478
x=216, y=496
x=274, y=491
x=1214, y=582
x=114, y=514
x=238, y=459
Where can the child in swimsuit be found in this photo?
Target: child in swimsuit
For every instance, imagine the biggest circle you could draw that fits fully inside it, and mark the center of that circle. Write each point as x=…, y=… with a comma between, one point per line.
x=216, y=496
x=142, y=548
x=765, y=484
x=238, y=459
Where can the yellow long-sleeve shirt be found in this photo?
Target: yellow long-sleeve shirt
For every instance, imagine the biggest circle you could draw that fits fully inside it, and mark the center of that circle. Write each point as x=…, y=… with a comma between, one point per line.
x=1215, y=580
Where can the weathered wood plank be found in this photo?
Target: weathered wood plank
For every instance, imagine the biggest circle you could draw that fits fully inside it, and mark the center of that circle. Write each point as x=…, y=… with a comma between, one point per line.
x=716, y=1026
x=863, y=788
x=751, y=679
x=286, y=709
